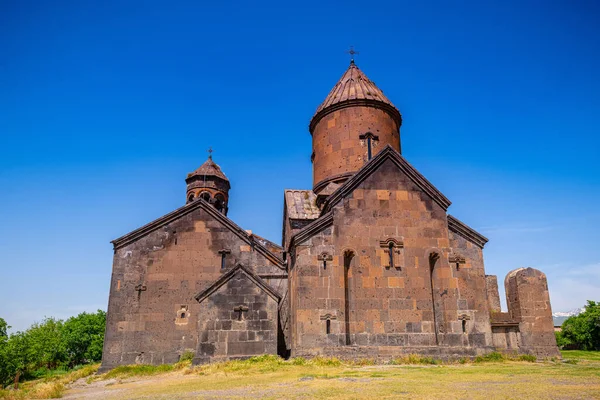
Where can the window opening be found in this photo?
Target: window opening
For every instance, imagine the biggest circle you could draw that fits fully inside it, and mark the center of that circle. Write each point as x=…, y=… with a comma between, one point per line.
x=223, y=254
x=433, y=257
x=348, y=256
x=370, y=139
x=205, y=196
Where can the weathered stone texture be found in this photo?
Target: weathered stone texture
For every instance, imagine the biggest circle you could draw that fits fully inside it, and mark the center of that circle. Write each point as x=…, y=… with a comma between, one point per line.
x=238, y=320
x=173, y=263
x=529, y=303
x=375, y=303
x=493, y=296
x=338, y=150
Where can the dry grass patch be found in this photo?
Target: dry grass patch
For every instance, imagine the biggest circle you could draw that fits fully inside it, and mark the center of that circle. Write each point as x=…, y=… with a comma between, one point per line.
x=52, y=387
x=412, y=376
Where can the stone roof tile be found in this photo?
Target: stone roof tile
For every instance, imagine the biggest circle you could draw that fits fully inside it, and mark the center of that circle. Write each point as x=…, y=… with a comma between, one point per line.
x=353, y=85
x=209, y=168
x=301, y=204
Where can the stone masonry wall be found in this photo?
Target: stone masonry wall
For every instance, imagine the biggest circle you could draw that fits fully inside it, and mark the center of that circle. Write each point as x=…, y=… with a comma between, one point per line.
x=466, y=262
x=154, y=282
x=336, y=144
x=387, y=306
x=237, y=321
x=529, y=303
x=493, y=295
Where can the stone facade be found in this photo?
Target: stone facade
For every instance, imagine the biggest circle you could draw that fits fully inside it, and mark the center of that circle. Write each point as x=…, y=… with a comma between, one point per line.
x=371, y=264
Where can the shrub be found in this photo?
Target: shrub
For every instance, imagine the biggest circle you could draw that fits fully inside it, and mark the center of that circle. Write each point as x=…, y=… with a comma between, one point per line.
x=187, y=356
x=527, y=357
x=491, y=357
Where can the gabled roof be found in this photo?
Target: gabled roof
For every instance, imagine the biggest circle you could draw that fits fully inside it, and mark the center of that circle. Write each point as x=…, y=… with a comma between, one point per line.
x=388, y=153
x=301, y=204
x=354, y=88
x=325, y=221
x=209, y=168
x=188, y=208
x=265, y=242
x=465, y=231
x=238, y=269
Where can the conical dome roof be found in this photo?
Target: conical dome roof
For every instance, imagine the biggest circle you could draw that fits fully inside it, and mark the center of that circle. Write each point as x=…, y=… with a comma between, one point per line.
x=353, y=88
x=209, y=168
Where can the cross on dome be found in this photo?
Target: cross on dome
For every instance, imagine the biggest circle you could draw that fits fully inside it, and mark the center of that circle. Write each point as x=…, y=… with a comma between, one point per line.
x=352, y=52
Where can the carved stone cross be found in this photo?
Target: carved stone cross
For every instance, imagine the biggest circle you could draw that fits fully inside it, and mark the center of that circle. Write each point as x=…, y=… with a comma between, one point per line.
x=140, y=288
x=325, y=257
x=457, y=259
x=240, y=309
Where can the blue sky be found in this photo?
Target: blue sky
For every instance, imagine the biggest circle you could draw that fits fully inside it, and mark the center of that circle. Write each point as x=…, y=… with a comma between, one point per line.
x=105, y=106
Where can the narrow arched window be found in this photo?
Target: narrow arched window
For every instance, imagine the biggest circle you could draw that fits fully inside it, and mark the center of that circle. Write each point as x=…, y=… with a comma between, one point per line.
x=391, y=254
x=348, y=257
x=219, y=202
x=205, y=196
x=191, y=197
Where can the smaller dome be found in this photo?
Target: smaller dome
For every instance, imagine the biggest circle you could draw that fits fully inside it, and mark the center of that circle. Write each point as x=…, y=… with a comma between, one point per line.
x=210, y=184
x=209, y=168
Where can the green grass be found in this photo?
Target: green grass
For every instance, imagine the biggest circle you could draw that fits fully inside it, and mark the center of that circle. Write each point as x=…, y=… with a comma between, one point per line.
x=581, y=355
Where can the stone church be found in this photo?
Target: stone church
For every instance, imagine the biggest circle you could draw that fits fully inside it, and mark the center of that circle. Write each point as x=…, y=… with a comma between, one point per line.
x=370, y=263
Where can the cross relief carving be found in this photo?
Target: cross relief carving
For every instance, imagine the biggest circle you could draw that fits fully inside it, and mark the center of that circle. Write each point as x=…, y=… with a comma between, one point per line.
x=140, y=288
x=240, y=309
x=457, y=259
x=393, y=248
x=325, y=257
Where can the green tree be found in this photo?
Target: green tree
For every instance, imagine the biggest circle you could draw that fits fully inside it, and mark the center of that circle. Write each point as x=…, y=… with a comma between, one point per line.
x=3, y=329
x=84, y=337
x=46, y=345
x=17, y=356
x=583, y=330
x=5, y=371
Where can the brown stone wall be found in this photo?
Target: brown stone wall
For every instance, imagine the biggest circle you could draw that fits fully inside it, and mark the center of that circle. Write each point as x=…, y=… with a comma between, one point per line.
x=472, y=289
x=229, y=334
x=529, y=303
x=493, y=295
x=387, y=306
x=174, y=263
x=336, y=144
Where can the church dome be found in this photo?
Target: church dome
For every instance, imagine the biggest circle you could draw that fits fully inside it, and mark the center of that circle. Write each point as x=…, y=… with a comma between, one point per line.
x=210, y=184
x=351, y=126
x=354, y=89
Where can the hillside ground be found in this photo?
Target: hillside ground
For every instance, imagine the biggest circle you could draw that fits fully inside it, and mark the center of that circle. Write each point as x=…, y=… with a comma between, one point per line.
x=577, y=376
